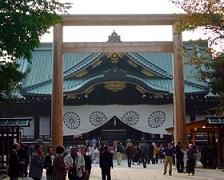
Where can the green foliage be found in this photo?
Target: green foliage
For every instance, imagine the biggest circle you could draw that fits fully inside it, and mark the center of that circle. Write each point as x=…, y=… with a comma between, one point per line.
x=207, y=14
x=216, y=76
x=23, y=22
x=9, y=79
x=213, y=72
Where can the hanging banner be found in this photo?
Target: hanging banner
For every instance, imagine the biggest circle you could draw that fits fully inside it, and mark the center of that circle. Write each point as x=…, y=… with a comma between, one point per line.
x=146, y=118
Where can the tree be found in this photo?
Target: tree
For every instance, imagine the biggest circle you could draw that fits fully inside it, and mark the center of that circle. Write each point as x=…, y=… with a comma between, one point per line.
x=9, y=79
x=207, y=14
x=213, y=73
x=23, y=22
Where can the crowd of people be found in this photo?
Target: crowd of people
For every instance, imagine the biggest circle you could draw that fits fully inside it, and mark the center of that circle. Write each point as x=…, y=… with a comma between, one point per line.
x=76, y=162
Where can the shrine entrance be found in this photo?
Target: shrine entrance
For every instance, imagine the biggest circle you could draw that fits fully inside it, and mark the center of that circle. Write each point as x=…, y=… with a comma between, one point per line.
x=59, y=48
x=115, y=129
x=9, y=134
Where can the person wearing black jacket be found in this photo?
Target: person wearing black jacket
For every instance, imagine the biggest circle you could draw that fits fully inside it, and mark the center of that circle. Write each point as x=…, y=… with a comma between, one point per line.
x=23, y=154
x=48, y=163
x=179, y=157
x=143, y=153
x=88, y=164
x=36, y=164
x=106, y=162
x=150, y=153
x=13, y=170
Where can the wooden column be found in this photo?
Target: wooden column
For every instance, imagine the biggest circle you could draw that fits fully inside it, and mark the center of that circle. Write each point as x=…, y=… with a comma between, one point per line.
x=57, y=87
x=178, y=88
x=193, y=134
x=220, y=147
x=36, y=127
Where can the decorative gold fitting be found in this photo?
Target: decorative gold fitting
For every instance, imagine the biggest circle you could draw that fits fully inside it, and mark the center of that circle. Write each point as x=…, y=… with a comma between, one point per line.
x=140, y=89
x=115, y=86
x=147, y=73
x=71, y=96
x=132, y=63
x=96, y=64
x=114, y=57
x=81, y=73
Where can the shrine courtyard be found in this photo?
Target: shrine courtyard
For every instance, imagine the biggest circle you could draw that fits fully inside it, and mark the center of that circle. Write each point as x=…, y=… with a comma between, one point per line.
x=152, y=172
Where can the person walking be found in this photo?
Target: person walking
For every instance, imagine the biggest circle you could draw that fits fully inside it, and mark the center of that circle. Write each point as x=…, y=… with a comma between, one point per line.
x=168, y=152
x=120, y=151
x=59, y=168
x=143, y=152
x=48, y=163
x=150, y=153
x=13, y=170
x=191, y=159
x=129, y=153
x=37, y=162
x=179, y=158
x=106, y=163
x=136, y=154
x=88, y=165
x=155, y=153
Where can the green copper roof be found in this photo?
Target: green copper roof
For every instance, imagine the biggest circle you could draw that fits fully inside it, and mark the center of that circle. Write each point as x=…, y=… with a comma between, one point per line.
x=215, y=120
x=39, y=78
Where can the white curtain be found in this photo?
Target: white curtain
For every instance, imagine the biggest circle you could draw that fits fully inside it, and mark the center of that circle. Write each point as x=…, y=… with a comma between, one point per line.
x=146, y=118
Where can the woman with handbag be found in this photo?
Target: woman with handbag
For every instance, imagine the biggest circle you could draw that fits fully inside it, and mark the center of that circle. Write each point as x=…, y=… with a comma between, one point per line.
x=75, y=164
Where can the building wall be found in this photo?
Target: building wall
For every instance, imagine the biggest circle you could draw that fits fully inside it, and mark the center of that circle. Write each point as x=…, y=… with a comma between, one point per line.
x=28, y=131
x=45, y=126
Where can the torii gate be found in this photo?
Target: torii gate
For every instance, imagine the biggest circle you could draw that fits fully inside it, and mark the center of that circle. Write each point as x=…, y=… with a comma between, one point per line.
x=59, y=48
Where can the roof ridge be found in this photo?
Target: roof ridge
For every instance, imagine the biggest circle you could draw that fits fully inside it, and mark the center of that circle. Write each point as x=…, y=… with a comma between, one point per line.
x=36, y=85
x=195, y=85
x=64, y=74
x=86, y=58
x=157, y=70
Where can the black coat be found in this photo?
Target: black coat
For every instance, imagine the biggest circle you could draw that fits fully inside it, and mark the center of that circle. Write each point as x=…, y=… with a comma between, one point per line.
x=106, y=160
x=179, y=153
x=23, y=155
x=36, y=166
x=48, y=164
x=13, y=170
x=88, y=165
x=150, y=149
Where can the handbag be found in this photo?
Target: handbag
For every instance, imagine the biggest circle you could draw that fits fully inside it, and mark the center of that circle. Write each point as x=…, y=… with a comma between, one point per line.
x=80, y=172
x=72, y=173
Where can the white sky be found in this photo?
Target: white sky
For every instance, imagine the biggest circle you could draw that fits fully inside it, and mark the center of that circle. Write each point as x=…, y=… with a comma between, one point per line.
x=127, y=33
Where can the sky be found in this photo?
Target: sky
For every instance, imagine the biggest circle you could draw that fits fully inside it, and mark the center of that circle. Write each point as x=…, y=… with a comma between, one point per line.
x=127, y=33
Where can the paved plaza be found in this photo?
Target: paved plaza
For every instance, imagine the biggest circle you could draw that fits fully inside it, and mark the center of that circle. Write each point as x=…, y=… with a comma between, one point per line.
x=152, y=172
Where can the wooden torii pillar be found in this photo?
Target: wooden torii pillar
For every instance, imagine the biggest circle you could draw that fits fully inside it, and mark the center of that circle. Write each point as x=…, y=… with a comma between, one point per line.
x=59, y=48
x=178, y=88
x=57, y=88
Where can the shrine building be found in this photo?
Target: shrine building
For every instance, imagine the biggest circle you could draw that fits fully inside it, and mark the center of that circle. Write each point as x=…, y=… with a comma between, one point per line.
x=110, y=95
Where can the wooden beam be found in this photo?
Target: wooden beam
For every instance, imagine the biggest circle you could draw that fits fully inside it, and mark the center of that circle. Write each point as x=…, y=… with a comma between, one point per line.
x=118, y=20
x=105, y=47
x=178, y=87
x=193, y=134
x=57, y=87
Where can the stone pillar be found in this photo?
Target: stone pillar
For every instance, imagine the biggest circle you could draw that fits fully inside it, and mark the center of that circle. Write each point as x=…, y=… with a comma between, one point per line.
x=57, y=87
x=178, y=89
